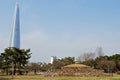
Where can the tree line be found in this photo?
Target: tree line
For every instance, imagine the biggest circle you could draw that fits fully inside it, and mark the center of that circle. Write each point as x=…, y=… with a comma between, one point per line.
x=16, y=61
x=110, y=64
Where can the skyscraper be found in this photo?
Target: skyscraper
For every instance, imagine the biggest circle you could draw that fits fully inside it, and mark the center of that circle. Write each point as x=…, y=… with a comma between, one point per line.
x=15, y=35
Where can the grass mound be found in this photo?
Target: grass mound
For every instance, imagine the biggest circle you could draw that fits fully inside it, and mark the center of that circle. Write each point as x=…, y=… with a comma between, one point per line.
x=76, y=65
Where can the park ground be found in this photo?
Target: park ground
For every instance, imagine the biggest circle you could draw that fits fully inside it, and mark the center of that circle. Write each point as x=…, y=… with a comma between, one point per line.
x=38, y=77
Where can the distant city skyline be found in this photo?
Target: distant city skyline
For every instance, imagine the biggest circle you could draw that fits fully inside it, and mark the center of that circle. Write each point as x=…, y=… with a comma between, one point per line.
x=63, y=28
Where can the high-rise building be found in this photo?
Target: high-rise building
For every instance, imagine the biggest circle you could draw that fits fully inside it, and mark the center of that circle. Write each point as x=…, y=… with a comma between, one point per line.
x=15, y=35
x=53, y=58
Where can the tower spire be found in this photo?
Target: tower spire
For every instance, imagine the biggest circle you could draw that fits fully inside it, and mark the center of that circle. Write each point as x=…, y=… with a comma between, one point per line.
x=15, y=42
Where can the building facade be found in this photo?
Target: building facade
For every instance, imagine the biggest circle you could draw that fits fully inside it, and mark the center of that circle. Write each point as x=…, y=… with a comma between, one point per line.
x=15, y=34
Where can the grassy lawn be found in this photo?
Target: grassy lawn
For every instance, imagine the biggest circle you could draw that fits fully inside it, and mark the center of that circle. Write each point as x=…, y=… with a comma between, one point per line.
x=37, y=77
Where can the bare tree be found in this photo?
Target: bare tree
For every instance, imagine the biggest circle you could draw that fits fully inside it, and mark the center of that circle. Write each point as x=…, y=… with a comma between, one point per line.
x=86, y=56
x=106, y=65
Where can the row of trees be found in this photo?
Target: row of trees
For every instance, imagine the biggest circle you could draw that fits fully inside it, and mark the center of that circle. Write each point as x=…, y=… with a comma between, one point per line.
x=14, y=60
x=107, y=63
x=57, y=64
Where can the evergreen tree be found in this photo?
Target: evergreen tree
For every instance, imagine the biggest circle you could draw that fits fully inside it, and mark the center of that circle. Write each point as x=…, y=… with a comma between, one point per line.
x=15, y=58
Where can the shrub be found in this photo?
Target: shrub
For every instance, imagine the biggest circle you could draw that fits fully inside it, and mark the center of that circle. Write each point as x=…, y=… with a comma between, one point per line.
x=118, y=72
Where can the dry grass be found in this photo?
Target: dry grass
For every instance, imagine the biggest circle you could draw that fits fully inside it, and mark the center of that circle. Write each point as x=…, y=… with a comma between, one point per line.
x=76, y=65
x=37, y=77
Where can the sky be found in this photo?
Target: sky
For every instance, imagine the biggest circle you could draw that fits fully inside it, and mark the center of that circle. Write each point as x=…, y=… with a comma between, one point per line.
x=63, y=28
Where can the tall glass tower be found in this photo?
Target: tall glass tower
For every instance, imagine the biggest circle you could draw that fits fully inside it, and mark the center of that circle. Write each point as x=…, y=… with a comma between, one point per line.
x=15, y=35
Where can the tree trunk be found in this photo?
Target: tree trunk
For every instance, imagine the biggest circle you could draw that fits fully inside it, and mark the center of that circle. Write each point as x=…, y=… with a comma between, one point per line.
x=6, y=71
x=14, y=72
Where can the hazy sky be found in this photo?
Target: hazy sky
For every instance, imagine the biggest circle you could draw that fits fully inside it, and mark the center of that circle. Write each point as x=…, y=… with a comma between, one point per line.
x=63, y=27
